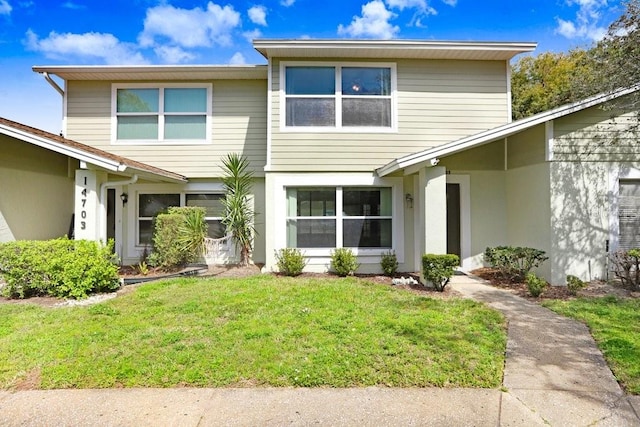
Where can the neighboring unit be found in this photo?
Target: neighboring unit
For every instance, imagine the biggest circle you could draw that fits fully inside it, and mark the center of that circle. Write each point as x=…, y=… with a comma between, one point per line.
x=370, y=145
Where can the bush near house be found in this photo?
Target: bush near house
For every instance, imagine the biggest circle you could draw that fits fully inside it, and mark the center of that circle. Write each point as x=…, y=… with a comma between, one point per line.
x=344, y=262
x=438, y=269
x=535, y=285
x=626, y=267
x=61, y=268
x=178, y=237
x=514, y=262
x=389, y=263
x=290, y=261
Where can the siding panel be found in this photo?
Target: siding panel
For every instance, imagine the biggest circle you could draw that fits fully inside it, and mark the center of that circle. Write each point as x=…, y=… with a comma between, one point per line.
x=239, y=124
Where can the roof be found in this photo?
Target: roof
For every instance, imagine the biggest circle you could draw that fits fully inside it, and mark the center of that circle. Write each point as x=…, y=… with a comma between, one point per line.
x=84, y=153
x=390, y=49
x=499, y=132
x=155, y=72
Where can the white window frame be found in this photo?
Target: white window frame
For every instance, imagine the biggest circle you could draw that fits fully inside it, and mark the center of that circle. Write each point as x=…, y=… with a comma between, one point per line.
x=161, y=87
x=338, y=96
x=320, y=256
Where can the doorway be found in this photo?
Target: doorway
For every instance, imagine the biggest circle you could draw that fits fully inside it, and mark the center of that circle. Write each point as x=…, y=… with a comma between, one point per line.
x=453, y=220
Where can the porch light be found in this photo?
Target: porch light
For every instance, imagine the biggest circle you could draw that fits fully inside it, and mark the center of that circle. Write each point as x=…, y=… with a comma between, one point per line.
x=125, y=198
x=409, y=199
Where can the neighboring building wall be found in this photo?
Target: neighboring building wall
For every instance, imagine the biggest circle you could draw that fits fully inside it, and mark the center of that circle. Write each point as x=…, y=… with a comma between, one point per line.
x=239, y=125
x=36, y=192
x=529, y=210
x=438, y=101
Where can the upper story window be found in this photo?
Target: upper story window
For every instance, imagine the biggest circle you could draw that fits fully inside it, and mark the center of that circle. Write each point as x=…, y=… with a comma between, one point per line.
x=152, y=114
x=357, y=97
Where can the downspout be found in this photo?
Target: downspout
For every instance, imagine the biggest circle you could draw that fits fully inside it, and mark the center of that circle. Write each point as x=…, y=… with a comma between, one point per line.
x=103, y=202
x=53, y=84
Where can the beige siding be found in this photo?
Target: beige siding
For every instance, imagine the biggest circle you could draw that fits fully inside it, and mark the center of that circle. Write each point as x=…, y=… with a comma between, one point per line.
x=36, y=192
x=593, y=134
x=438, y=101
x=239, y=125
x=485, y=157
x=527, y=147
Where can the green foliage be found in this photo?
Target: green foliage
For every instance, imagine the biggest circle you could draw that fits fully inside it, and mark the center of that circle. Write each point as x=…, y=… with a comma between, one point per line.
x=514, y=262
x=438, y=269
x=574, y=284
x=178, y=237
x=543, y=82
x=272, y=330
x=626, y=268
x=61, y=268
x=344, y=262
x=239, y=214
x=535, y=285
x=389, y=263
x=290, y=261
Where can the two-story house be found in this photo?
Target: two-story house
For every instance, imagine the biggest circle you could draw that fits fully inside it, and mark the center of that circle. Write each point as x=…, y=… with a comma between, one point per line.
x=378, y=146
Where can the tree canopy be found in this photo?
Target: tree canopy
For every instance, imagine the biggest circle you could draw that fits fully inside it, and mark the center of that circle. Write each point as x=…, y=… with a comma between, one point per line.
x=551, y=79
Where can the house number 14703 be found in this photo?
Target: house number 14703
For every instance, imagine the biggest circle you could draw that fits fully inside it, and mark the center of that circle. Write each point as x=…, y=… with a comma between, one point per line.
x=83, y=202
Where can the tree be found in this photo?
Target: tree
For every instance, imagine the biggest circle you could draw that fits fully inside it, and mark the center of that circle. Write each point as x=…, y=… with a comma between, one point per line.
x=547, y=81
x=239, y=214
x=617, y=57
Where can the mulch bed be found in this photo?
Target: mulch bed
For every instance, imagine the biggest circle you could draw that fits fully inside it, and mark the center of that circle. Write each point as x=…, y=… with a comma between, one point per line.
x=595, y=288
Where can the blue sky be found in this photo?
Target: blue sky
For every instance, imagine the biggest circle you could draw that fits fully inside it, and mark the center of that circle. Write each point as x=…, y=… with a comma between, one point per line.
x=79, y=32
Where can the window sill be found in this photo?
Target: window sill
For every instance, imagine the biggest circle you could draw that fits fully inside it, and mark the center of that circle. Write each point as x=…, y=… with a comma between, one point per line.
x=156, y=142
x=322, y=129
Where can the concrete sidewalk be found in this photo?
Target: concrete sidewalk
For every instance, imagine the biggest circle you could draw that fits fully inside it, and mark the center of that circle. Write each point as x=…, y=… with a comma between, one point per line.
x=554, y=375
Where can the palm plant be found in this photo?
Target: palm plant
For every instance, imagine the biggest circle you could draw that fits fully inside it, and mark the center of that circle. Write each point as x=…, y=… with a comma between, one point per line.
x=238, y=209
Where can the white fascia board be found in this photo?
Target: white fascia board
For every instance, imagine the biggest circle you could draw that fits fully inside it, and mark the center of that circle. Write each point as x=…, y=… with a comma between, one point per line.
x=499, y=132
x=64, y=149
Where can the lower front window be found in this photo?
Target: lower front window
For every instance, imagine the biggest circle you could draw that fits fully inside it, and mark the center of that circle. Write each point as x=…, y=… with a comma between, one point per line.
x=334, y=217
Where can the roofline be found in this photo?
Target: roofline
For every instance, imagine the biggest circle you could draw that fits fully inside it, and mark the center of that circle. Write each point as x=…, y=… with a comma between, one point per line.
x=502, y=131
x=83, y=155
x=263, y=44
x=142, y=68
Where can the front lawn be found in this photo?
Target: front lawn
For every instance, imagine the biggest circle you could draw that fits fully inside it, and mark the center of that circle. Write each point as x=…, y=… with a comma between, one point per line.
x=259, y=331
x=615, y=325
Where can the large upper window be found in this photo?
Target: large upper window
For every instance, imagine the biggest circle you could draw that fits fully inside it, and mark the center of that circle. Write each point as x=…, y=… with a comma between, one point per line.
x=150, y=205
x=352, y=217
x=338, y=96
x=161, y=114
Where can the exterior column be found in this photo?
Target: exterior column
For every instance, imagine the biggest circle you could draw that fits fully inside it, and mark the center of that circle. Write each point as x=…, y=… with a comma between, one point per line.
x=86, y=216
x=432, y=189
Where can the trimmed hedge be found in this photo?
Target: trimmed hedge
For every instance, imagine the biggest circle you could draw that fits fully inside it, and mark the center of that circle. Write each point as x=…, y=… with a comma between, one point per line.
x=61, y=268
x=438, y=269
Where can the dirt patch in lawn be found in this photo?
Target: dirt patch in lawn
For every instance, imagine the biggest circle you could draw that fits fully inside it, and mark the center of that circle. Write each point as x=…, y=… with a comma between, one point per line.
x=594, y=288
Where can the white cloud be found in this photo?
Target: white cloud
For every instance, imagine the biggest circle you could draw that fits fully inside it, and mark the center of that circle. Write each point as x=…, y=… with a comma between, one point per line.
x=410, y=4
x=586, y=24
x=87, y=46
x=258, y=15
x=250, y=36
x=189, y=28
x=450, y=2
x=287, y=3
x=237, y=59
x=5, y=7
x=374, y=22
x=173, y=54
x=73, y=6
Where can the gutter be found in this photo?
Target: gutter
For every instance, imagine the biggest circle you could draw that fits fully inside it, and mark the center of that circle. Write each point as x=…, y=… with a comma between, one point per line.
x=53, y=84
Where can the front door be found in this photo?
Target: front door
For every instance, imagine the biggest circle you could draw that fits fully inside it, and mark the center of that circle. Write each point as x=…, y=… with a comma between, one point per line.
x=453, y=219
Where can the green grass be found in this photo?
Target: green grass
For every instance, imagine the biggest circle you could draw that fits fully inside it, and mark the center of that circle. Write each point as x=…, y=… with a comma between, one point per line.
x=615, y=325
x=260, y=331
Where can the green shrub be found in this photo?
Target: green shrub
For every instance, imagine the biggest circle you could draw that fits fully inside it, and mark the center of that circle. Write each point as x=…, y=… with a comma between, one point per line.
x=344, y=262
x=438, y=269
x=290, y=261
x=626, y=267
x=574, y=284
x=514, y=262
x=535, y=284
x=178, y=237
x=61, y=268
x=389, y=263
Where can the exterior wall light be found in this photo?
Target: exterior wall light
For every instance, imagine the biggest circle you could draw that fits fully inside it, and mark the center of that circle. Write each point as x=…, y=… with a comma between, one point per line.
x=125, y=198
x=408, y=198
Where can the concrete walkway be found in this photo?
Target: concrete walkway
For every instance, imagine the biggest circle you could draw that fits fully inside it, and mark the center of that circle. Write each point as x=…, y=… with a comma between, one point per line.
x=554, y=375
